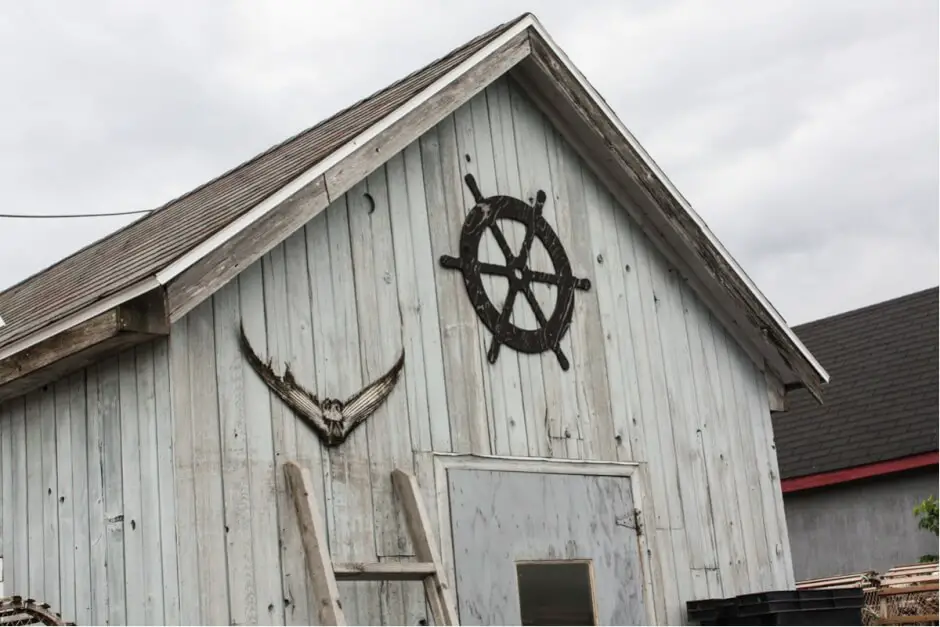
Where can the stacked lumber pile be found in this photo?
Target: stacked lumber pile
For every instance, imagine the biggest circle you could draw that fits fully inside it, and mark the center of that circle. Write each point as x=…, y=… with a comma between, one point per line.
x=905, y=595
x=908, y=595
x=867, y=581
x=19, y=611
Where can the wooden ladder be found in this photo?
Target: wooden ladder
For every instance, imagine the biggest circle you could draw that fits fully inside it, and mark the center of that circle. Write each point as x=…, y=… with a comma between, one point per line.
x=324, y=573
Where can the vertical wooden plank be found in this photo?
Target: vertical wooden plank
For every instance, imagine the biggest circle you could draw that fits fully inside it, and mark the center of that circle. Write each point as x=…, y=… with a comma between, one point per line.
x=713, y=440
x=629, y=369
x=235, y=475
x=510, y=433
x=339, y=367
x=658, y=423
x=687, y=427
x=535, y=175
x=116, y=521
x=265, y=546
x=603, y=423
x=389, y=438
x=415, y=381
x=532, y=437
x=149, y=522
x=299, y=333
x=81, y=499
x=740, y=367
x=131, y=485
x=609, y=286
x=388, y=429
x=50, y=497
x=786, y=580
x=769, y=486
x=294, y=578
x=4, y=494
x=207, y=463
x=496, y=132
x=18, y=567
x=749, y=521
x=413, y=248
x=493, y=395
x=462, y=360
x=98, y=534
x=9, y=513
x=66, y=498
x=184, y=474
x=166, y=474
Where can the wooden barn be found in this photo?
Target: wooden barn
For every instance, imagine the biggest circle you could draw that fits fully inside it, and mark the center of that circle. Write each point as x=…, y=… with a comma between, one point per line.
x=554, y=384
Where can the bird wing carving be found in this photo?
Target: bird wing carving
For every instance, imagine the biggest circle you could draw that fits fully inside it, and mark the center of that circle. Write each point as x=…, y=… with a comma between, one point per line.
x=330, y=427
x=360, y=405
x=304, y=403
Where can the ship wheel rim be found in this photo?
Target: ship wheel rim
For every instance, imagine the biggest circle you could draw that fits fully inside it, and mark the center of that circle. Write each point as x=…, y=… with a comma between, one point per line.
x=483, y=217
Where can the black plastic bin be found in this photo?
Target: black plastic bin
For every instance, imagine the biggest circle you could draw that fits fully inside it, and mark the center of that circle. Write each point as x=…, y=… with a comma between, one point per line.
x=783, y=607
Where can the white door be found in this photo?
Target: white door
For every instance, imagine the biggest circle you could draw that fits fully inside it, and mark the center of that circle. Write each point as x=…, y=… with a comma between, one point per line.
x=545, y=549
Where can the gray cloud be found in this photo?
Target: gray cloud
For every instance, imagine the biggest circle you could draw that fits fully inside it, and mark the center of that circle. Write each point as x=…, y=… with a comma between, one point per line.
x=806, y=134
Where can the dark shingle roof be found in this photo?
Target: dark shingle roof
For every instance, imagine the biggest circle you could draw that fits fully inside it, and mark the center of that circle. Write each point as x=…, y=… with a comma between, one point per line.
x=148, y=245
x=882, y=401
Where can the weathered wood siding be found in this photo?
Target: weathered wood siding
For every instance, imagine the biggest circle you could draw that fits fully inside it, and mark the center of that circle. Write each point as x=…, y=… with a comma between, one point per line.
x=654, y=379
x=88, y=501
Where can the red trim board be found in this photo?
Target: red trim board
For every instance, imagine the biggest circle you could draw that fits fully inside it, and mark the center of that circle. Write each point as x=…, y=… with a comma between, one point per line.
x=860, y=472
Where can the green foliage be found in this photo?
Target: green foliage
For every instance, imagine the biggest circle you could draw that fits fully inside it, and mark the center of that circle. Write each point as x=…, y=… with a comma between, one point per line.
x=926, y=513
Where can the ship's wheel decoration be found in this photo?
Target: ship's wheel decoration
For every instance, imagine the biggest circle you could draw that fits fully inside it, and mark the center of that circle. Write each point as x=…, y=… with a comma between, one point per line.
x=485, y=216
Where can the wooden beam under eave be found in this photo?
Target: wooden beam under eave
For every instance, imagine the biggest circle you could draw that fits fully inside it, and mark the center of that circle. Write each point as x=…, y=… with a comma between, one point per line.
x=134, y=322
x=776, y=393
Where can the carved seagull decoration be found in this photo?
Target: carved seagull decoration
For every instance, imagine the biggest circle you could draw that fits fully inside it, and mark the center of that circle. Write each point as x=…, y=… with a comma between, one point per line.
x=331, y=419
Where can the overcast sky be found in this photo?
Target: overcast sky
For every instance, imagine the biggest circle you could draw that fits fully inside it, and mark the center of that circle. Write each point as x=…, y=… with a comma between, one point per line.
x=805, y=133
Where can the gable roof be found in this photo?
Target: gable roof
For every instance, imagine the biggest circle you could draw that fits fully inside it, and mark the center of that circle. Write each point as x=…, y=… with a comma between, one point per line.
x=153, y=242
x=153, y=252
x=882, y=403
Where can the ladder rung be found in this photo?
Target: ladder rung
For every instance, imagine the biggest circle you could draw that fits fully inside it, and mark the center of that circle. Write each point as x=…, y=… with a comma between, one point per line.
x=385, y=571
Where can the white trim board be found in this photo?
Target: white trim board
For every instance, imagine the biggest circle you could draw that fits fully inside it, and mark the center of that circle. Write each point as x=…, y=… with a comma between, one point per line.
x=444, y=462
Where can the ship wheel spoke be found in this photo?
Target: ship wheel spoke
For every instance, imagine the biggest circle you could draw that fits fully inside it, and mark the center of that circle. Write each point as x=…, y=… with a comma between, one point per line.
x=527, y=244
x=545, y=277
x=501, y=240
x=494, y=268
x=540, y=318
x=503, y=319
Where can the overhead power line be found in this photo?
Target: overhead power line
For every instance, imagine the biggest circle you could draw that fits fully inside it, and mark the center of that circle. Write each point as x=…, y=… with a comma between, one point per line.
x=33, y=216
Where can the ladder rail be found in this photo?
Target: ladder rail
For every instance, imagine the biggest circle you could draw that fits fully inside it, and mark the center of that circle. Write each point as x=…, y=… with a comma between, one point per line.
x=324, y=573
x=317, y=551
x=439, y=595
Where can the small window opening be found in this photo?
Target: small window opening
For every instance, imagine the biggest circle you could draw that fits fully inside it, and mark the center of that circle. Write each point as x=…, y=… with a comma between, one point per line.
x=556, y=592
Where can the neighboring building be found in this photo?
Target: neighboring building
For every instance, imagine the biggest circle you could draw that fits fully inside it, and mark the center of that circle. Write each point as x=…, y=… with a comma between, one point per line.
x=854, y=468
x=141, y=453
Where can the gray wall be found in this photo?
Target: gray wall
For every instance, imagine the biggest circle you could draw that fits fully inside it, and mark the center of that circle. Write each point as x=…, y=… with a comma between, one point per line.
x=863, y=525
